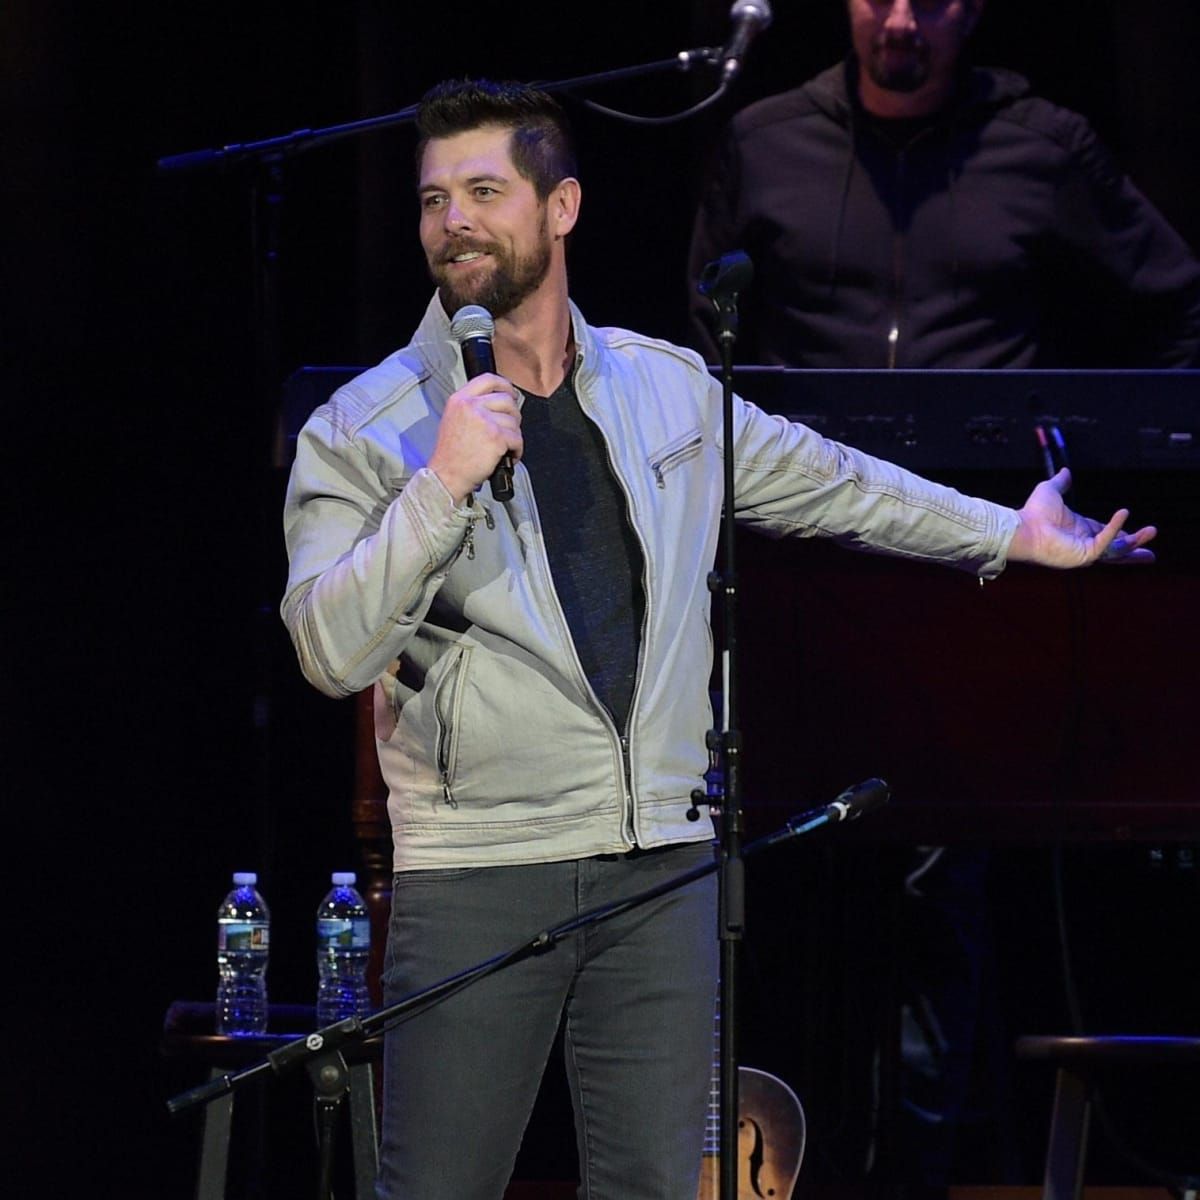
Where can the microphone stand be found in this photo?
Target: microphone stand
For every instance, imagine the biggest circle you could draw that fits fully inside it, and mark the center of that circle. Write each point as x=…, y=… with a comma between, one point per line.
x=722, y=281
x=275, y=149
x=321, y=1053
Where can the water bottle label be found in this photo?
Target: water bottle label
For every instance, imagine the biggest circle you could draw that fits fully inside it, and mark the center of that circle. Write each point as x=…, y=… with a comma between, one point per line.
x=344, y=933
x=242, y=935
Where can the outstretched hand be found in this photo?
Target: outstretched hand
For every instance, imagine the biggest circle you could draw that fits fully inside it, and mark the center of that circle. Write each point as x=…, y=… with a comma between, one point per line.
x=1051, y=535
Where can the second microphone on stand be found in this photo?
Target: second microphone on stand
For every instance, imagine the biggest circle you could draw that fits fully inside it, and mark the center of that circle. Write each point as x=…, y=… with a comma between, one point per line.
x=472, y=327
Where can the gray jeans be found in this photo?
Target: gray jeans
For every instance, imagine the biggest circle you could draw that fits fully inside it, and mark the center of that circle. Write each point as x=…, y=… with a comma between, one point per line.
x=635, y=997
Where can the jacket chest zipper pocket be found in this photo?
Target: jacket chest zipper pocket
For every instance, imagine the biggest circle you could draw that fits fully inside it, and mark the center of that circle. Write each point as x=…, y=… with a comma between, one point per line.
x=447, y=711
x=673, y=454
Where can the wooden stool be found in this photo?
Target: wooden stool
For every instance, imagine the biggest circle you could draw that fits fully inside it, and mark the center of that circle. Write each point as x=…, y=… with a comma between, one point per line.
x=1080, y=1062
x=188, y=1032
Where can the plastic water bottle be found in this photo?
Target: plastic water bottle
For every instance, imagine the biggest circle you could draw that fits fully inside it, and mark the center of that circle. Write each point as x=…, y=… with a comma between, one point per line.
x=343, y=947
x=243, y=938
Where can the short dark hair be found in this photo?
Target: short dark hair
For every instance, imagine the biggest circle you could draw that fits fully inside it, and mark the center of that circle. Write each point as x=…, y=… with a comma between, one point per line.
x=541, y=145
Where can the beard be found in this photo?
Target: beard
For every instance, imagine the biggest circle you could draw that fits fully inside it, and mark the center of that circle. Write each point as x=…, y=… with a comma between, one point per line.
x=501, y=289
x=899, y=64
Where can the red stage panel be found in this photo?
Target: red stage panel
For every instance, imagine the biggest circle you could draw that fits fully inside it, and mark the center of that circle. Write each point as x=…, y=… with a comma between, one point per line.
x=1042, y=703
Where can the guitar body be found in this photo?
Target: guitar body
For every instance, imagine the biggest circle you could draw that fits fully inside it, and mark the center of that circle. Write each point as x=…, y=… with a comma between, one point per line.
x=770, y=1149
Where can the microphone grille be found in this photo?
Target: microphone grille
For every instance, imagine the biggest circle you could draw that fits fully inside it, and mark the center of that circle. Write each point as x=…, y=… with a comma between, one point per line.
x=472, y=321
x=758, y=10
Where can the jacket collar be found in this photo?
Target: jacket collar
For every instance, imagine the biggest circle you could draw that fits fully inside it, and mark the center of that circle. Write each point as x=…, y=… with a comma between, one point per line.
x=441, y=356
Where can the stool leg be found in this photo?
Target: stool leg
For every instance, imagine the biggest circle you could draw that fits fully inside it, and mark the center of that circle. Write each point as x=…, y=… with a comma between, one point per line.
x=364, y=1132
x=1067, y=1151
x=214, y=1146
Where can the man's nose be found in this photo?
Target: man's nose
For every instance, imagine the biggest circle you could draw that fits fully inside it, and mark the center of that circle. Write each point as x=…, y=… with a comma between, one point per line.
x=900, y=16
x=454, y=218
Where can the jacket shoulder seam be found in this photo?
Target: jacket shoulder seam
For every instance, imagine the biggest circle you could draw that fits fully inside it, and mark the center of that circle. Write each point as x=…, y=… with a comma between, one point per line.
x=360, y=401
x=616, y=340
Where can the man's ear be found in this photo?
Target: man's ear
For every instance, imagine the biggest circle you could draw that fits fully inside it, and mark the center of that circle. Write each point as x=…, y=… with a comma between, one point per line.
x=564, y=206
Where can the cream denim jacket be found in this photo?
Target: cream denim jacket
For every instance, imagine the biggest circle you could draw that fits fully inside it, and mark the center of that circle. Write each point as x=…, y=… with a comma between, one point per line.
x=491, y=741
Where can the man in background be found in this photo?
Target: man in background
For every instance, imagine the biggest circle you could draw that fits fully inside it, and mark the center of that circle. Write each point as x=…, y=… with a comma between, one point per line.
x=905, y=210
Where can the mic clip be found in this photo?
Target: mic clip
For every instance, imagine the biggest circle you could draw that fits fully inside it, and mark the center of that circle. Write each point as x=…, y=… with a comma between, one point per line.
x=713, y=791
x=723, y=280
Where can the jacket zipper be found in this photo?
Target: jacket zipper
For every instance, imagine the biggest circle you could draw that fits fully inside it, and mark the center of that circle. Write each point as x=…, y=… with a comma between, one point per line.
x=488, y=520
x=671, y=455
x=617, y=739
x=899, y=246
x=452, y=681
x=629, y=829
x=893, y=346
x=627, y=822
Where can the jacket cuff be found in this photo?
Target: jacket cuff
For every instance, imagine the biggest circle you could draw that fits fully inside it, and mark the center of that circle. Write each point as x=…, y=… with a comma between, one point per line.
x=1003, y=523
x=438, y=522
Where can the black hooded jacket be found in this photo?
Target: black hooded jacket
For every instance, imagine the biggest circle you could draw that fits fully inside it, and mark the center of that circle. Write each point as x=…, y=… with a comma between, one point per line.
x=998, y=234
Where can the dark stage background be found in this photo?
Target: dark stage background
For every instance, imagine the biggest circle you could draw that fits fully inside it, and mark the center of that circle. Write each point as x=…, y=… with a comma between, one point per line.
x=161, y=734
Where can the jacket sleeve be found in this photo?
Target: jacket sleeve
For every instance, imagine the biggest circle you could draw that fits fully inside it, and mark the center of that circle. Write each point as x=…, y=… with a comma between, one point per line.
x=791, y=480
x=366, y=557
x=1130, y=254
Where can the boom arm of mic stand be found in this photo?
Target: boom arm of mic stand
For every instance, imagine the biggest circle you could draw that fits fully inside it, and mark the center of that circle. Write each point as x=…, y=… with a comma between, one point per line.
x=853, y=803
x=320, y=1052
x=300, y=140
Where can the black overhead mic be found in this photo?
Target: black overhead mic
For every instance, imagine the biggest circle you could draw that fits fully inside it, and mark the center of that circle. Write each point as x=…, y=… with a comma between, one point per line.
x=750, y=18
x=725, y=278
x=472, y=328
x=722, y=281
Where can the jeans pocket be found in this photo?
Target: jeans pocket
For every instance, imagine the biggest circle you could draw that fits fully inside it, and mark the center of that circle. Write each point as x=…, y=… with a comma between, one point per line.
x=431, y=875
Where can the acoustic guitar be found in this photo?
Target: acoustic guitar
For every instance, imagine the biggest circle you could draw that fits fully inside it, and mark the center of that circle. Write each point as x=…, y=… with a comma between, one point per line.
x=771, y=1134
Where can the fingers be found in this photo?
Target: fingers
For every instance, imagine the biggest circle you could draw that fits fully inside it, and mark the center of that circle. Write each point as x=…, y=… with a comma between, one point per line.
x=481, y=423
x=498, y=410
x=1103, y=540
x=1131, y=547
x=1114, y=545
x=496, y=392
x=1060, y=481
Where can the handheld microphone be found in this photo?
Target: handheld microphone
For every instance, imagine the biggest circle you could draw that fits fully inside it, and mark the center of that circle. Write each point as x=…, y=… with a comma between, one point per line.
x=750, y=18
x=472, y=327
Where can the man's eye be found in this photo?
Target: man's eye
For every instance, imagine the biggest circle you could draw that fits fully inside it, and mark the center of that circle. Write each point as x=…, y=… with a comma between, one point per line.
x=484, y=191
x=432, y=201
